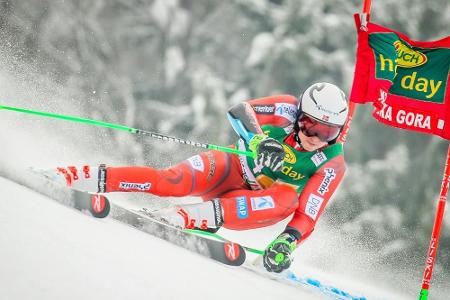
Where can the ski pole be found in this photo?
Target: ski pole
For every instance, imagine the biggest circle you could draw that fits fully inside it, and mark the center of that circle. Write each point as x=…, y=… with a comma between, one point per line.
x=128, y=129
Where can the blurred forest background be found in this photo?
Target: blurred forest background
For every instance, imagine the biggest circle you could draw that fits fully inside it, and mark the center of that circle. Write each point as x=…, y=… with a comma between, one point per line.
x=175, y=66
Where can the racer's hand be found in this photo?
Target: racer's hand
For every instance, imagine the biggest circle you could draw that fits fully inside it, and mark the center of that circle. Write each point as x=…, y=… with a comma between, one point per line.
x=278, y=255
x=267, y=151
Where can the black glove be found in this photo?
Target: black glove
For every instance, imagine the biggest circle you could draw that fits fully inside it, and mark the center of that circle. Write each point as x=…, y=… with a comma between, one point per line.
x=278, y=255
x=268, y=151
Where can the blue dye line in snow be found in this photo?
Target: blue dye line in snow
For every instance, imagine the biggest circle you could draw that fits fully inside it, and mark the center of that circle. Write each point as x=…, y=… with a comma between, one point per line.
x=328, y=290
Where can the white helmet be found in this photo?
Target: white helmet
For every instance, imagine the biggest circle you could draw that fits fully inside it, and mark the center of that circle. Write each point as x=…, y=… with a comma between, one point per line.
x=325, y=103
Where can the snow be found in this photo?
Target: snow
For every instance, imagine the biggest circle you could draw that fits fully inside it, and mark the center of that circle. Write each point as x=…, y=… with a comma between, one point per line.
x=48, y=251
x=175, y=64
x=262, y=44
x=161, y=11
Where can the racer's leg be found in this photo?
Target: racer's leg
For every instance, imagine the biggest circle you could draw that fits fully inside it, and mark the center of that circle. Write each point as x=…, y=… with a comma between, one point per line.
x=244, y=209
x=210, y=175
x=240, y=209
x=206, y=175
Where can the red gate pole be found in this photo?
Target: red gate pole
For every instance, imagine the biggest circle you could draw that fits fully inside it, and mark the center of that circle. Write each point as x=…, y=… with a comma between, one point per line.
x=352, y=106
x=434, y=242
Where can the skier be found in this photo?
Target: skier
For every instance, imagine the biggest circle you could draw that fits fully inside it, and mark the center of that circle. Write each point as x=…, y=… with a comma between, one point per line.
x=297, y=167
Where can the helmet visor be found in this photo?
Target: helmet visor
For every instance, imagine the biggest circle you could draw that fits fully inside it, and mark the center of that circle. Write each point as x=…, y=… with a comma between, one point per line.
x=311, y=127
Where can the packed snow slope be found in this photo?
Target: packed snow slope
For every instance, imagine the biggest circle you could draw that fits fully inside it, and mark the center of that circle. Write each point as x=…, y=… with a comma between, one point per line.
x=48, y=251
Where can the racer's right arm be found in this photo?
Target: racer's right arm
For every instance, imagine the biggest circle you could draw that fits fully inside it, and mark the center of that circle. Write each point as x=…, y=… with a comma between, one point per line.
x=246, y=118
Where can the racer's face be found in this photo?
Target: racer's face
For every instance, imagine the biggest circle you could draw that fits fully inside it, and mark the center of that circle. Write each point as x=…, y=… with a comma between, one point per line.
x=312, y=127
x=311, y=143
x=314, y=134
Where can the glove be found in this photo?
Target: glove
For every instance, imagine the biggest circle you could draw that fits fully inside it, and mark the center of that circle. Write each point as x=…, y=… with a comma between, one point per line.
x=278, y=255
x=267, y=151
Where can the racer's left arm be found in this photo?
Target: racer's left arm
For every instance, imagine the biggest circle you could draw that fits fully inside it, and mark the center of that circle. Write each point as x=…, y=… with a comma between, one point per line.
x=315, y=196
x=312, y=202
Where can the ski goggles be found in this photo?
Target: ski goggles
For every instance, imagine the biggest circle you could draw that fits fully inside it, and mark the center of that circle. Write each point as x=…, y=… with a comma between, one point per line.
x=311, y=127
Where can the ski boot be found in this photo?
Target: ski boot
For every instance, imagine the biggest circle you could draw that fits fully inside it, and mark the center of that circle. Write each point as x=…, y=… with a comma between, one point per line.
x=86, y=178
x=205, y=216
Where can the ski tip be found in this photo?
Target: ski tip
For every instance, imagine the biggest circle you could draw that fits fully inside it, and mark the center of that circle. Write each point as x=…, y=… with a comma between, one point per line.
x=234, y=253
x=229, y=253
x=99, y=206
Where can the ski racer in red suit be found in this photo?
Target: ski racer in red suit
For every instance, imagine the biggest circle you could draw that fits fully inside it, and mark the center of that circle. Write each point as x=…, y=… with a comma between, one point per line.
x=297, y=167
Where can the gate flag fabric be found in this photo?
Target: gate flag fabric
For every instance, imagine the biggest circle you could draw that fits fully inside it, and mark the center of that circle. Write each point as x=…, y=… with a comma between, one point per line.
x=407, y=81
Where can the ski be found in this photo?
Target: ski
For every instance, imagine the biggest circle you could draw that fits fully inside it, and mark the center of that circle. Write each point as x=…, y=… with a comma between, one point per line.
x=99, y=206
